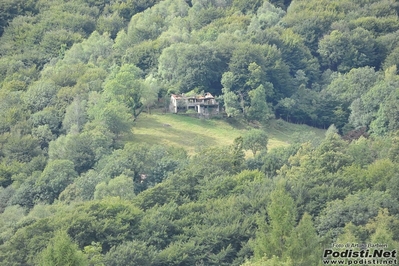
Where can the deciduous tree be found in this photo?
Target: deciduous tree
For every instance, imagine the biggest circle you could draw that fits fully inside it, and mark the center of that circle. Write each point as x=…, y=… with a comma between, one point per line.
x=255, y=140
x=62, y=251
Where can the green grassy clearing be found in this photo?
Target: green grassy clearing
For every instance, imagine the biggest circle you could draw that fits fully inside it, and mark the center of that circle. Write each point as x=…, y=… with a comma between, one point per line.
x=192, y=133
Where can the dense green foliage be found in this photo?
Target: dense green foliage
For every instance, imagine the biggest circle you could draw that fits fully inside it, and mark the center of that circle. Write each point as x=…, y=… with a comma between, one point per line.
x=77, y=188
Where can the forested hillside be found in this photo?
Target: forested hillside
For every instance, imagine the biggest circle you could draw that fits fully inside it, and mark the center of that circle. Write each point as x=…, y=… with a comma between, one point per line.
x=77, y=187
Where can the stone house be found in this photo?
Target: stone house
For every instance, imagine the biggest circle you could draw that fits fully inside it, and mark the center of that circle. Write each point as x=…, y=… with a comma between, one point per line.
x=204, y=105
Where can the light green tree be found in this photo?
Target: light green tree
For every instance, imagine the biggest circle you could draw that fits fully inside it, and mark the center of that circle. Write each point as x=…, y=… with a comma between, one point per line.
x=255, y=140
x=350, y=234
x=272, y=238
x=274, y=261
x=93, y=253
x=303, y=243
x=75, y=116
x=231, y=105
x=113, y=114
x=61, y=251
x=126, y=86
x=150, y=92
x=120, y=186
x=381, y=228
x=259, y=109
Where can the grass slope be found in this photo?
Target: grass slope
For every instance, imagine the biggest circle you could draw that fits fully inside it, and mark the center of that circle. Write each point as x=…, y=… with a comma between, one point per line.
x=192, y=133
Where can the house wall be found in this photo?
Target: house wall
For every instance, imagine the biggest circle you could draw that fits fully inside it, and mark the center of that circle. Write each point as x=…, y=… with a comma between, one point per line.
x=204, y=107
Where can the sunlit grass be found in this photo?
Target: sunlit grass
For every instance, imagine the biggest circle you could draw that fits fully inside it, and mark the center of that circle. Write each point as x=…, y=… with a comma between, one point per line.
x=193, y=134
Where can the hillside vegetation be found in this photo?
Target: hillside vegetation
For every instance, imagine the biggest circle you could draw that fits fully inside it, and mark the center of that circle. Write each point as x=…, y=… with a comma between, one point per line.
x=91, y=174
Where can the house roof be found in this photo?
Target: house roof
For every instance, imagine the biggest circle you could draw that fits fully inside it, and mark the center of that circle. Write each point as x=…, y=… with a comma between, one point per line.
x=200, y=97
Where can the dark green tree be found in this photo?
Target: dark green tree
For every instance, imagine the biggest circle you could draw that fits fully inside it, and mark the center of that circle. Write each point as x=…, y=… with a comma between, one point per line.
x=57, y=175
x=130, y=253
x=190, y=66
